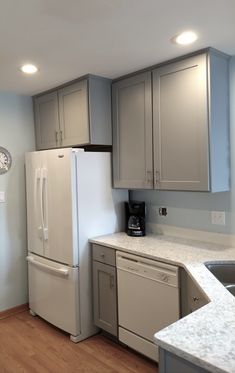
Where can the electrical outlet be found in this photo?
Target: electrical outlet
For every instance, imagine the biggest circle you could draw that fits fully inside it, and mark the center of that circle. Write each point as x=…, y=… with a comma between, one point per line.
x=162, y=211
x=218, y=217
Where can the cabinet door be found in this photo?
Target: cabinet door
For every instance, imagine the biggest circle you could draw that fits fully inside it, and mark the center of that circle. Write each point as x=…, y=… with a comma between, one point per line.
x=132, y=132
x=170, y=363
x=180, y=124
x=105, y=297
x=74, y=120
x=192, y=298
x=46, y=121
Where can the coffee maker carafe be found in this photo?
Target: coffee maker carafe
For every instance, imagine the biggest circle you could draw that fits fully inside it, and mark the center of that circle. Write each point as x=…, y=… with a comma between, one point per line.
x=135, y=218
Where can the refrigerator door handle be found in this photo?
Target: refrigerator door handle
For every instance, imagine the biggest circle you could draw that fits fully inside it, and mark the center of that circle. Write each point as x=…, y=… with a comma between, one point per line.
x=37, y=202
x=41, y=202
x=44, y=204
x=58, y=271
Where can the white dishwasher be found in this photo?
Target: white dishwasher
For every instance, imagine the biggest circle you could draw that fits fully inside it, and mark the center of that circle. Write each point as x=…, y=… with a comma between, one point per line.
x=148, y=300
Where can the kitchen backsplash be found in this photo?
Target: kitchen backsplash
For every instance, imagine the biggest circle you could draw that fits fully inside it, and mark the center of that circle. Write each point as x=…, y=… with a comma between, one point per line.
x=187, y=209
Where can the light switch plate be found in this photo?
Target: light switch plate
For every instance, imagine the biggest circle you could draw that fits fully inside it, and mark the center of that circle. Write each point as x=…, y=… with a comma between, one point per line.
x=2, y=196
x=218, y=217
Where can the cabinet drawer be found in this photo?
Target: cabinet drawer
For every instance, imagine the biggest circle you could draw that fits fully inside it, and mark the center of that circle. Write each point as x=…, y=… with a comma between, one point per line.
x=103, y=254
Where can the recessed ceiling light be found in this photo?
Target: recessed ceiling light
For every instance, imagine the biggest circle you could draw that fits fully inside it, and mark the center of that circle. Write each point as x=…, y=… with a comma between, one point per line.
x=186, y=37
x=29, y=69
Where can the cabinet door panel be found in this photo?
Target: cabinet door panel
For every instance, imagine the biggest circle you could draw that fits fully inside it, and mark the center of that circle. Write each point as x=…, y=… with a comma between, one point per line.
x=105, y=293
x=74, y=120
x=132, y=138
x=46, y=121
x=192, y=298
x=180, y=115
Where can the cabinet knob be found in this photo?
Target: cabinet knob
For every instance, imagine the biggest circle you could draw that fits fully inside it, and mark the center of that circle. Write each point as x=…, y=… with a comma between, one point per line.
x=196, y=299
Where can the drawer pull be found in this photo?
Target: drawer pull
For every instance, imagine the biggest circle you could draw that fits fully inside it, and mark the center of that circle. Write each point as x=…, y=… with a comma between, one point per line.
x=149, y=177
x=56, y=137
x=102, y=255
x=133, y=269
x=111, y=281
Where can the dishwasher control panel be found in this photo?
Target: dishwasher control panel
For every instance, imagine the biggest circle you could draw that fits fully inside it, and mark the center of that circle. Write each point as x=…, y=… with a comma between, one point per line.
x=148, y=268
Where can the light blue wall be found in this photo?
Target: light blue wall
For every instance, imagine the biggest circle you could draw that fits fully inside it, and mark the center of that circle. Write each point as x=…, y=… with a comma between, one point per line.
x=17, y=135
x=191, y=209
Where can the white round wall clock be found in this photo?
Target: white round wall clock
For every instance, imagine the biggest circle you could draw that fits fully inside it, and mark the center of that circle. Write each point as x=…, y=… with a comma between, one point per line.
x=5, y=160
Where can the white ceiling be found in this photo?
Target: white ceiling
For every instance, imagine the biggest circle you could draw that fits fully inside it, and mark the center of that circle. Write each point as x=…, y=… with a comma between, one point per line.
x=70, y=38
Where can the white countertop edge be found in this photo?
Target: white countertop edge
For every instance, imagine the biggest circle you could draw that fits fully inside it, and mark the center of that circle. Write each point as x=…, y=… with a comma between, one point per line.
x=188, y=357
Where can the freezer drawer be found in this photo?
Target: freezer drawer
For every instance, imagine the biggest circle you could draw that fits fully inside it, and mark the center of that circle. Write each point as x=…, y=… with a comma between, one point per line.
x=54, y=293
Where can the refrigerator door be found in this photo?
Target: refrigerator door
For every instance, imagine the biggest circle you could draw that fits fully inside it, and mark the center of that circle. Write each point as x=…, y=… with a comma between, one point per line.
x=54, y=293
x=34, y=203
x=60, y=206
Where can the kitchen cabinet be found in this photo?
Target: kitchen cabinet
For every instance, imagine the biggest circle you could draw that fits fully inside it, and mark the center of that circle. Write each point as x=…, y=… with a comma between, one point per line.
x=75, y=114
x=47, y=121
x=170, y=363
x=190, y=126
x=192, y=298
x=104, y=288
x=132, y=132
x=190, y=122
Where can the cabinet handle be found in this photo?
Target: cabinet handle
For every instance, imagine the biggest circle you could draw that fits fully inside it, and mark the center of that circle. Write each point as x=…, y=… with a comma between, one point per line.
x=111, y=281
x=56, y=137
x=149, y=177
x=61, y=137
x=196, y=299
x=157, y=176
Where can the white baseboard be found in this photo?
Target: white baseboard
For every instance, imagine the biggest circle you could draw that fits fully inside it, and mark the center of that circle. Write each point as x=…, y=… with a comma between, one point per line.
x=212, y=237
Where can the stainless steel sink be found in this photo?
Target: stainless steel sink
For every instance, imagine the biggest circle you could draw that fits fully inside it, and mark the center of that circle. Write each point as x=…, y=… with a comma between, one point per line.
x=225, y=273
x=231, y=288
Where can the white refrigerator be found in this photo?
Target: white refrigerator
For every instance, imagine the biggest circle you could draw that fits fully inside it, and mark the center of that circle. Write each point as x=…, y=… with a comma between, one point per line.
x=69, y=200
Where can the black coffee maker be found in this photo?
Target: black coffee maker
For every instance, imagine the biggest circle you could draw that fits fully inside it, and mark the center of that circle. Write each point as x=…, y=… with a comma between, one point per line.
x=135, y=218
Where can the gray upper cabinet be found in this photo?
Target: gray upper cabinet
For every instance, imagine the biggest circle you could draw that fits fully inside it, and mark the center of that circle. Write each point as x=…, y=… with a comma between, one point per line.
x=75, y=114
x=190, y=124
x=74, y=117
x=132, y=132
x=185, y=116
x=47, y=121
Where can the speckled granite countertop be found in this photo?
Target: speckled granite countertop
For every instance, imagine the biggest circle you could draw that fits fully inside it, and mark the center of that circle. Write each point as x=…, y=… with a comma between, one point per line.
x=207, y=336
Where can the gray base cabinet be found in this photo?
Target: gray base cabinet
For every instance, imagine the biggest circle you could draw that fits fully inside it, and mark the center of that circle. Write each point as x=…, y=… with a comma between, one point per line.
x=104, y=288
x=186, y=118
x=192, y=298
x=75, y=114
x=170, y=363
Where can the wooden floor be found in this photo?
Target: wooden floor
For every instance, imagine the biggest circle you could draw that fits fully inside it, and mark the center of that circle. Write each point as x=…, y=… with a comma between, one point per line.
x=29, y=344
